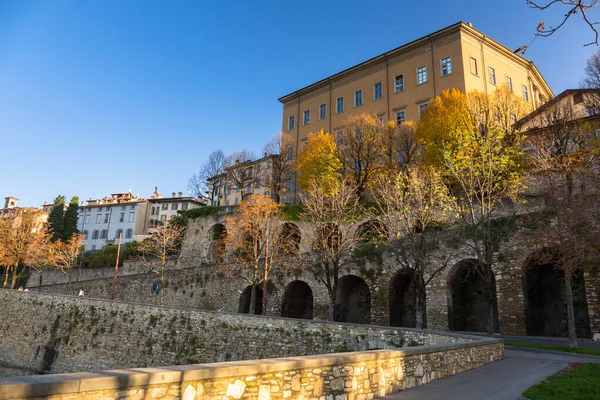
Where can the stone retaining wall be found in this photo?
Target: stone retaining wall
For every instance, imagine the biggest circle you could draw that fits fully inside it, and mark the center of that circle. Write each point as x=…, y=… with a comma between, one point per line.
x=359, y=376
x=52, y=333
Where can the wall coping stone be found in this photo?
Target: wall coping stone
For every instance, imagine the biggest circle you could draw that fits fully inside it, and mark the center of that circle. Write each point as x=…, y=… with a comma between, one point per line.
x=45, y=385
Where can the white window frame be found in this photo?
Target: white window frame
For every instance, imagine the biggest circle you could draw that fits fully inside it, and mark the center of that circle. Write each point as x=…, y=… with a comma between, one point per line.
x=380, y=91
x=291, y=123
x=473, y=63
x=525, y=93
x=401, y=79
x=306, y=117
x=421, y=110
x=131, y=216
x=323, y=111
x=448, y=66
x=509, y=84
x=492, y=73
x=401, y=113
x=358, y=93
x=422, y=68
x=337, y=105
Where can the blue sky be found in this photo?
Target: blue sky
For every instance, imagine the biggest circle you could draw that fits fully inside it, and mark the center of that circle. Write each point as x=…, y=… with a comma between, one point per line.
x=98, y=97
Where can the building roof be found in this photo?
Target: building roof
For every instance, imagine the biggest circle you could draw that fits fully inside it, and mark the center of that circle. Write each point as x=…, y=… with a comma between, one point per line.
x=455, y=27
x=553, y=101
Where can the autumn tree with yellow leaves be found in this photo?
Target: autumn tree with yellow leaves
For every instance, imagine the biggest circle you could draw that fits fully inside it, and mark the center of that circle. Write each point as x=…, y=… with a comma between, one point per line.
x=469, y=138
x=318, y=161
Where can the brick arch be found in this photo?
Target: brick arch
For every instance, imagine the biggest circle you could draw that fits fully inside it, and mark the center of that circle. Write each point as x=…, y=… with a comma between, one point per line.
x=353, y=300
x=297, y=300
x=402, y=300
x=215, y=233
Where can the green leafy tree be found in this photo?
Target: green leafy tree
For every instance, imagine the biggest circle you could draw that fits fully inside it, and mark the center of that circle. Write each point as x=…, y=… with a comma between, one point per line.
x=57, y=217
x=70, y=219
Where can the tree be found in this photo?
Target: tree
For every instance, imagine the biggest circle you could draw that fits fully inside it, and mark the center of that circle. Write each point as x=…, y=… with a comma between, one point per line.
x=573, y=7
x=319, y=162
x=464, y=135
x=164, y=242
x=399, y=146
x=282, y=166
x=24, y=243
x=563, y=160
x=412, y=204
x=252, y=242
x=67, y=253
x=56, y=218
x=70, y=219
x=215, y=165
x=360, y=153
x=333, y=216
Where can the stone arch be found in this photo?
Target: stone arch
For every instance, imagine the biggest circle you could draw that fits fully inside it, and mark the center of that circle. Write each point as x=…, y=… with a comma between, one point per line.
x=297, y=301
x=467, y=308
x=545, y=299
x=370, y=231
x=353, y=301
x=402, y=300
x=215, y=248
x=245, y=298
x=290, y=238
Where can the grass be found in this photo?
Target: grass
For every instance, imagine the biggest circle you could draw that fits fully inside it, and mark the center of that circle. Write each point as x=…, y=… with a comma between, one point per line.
x=578, y=382
x=567, y=349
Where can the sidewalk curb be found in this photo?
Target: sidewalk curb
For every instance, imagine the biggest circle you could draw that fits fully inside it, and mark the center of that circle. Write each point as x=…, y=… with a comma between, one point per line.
x=592, y=358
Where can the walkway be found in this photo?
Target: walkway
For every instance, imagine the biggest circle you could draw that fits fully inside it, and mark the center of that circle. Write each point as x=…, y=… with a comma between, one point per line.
x=501, y=380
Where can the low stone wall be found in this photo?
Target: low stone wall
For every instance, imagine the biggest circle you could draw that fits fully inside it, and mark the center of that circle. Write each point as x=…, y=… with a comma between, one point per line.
x=359, y=376
x=56, y=334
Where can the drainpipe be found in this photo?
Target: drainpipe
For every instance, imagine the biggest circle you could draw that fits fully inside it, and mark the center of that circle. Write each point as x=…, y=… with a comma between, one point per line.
x=483, y=69
x=387, y=87
x=432, y=66
x=297, y=152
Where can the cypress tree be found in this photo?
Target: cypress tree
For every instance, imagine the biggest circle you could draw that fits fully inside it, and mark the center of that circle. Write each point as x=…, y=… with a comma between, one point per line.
x=70, y=219
x=56, y=218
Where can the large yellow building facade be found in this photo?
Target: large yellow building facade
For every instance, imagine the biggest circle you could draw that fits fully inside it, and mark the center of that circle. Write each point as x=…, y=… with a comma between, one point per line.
x=398, y=85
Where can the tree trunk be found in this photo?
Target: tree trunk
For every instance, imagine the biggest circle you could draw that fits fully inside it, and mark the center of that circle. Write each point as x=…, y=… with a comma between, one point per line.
x=570, y=313
x=252, y=299
x=5, y=276
x=14, y=280
x=40, y=280
x=490, y=317
x=419, y=300
x=331, y=309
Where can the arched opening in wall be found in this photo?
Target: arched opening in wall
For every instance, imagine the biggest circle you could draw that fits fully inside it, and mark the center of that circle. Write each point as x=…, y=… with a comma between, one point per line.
x=467, y=291
x=370, y=231
x=297, y=301
x=289, y=239
x=353, y=301
x=545, y=300
x=216, y=247
x=245, y=299
x=403, y=310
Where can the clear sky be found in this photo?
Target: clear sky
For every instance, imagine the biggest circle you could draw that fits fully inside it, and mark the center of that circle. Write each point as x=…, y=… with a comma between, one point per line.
x=98, y=97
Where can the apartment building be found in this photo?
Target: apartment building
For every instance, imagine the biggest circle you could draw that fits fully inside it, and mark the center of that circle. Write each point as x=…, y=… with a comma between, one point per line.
x=253, y=177
x=399, y=84
x=11, y=210
x=101, y=221
x=160, y=209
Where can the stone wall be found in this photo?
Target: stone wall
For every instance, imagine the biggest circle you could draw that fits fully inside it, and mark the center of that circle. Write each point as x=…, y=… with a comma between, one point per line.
x=357, y=376
x=52, y=333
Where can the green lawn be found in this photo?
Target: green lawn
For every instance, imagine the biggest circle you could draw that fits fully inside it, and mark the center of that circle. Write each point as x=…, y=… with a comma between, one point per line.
x=581, y=383
x=580, y=350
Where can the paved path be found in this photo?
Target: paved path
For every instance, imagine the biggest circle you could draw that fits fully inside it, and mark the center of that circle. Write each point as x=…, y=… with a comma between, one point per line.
x=554, y=341
x=501, y=380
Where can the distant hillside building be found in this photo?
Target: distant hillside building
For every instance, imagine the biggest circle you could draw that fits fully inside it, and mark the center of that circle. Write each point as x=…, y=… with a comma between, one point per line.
x=161, y=209
x=11, y=210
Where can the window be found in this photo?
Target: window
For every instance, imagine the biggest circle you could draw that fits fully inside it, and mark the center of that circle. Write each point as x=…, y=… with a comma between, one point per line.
x=339, y=138
x=398, y=83
x=122, y=217
x=421, y=75
x=288, y=185
x=95, y=234
x=513, y=118
x=474, y=66
x=98, y=218
x=257, y=183
x=93, y=247
x=306, y=117
x=268, y=164
x=131, y=216
x=85, y=235
x=358, y=101
x=129, y=233
x=401, y=157
x=106, y=217
x=267, y=179
x=422, y=109
x=165, y=206
x=578, y=98
x=174, y=206
x=87, y=219
x=525, y=92
x=163, y=217
x=291, y=122
x=103, y=234
x=377, y=91
x=118, y=233
x=492, y=75
x=123, y=208
x=339, y=105
x=446, y=66
x=400, y=117
x=132, y=207
x=290, y=153
x=509, y=83
x=322, y=111
x=184, y=206
x=591, y=111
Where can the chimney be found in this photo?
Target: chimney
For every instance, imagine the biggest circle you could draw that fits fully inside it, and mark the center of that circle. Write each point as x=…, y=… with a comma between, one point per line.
x=180, y=194
x=237, y=160
x=172, y=194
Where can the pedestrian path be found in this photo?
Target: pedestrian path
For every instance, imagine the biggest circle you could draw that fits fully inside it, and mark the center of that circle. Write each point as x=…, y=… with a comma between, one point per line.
x=501, y=380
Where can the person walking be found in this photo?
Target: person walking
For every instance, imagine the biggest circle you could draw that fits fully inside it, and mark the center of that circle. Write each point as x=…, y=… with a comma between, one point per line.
x=81, y=293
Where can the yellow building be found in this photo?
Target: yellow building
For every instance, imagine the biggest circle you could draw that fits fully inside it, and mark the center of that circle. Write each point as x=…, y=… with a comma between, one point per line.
x=399, y=84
